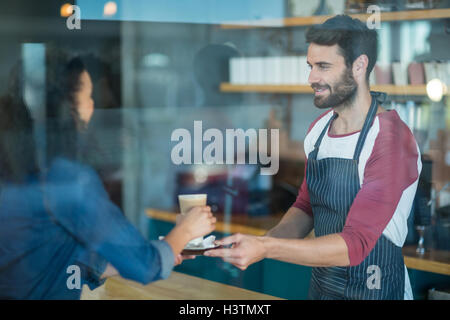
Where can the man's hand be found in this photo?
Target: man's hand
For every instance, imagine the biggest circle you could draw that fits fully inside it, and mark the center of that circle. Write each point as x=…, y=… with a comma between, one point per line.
x=245, y=250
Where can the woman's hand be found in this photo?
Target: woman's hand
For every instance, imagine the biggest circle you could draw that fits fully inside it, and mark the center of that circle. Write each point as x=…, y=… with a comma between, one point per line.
x=180, y=258
x=198, y=222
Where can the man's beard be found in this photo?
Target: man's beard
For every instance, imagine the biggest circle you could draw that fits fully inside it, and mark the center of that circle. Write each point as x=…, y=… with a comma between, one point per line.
x=342, y=93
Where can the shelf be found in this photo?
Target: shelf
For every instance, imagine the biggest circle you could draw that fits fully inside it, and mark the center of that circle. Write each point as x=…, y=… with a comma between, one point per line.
x=436, y=261
x=415, y=90
x=409, y=15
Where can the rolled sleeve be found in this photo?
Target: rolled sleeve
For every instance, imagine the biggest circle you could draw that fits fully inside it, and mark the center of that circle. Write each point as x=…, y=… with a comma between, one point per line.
x=85, y=211
x=302, y=202
x=388, y=189
x=92, y=268
x=166, y=255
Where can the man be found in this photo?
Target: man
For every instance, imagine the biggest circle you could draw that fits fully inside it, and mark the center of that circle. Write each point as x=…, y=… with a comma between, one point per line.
x=361, y=176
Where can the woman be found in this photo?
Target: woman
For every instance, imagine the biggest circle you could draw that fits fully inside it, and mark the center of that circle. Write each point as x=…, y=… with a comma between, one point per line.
x=70, y=107
x=69, y=110
x=59, y=223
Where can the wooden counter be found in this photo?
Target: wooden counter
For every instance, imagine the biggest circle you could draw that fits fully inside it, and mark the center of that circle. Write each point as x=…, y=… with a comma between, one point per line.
x=432, y=261
x=437, y=261
x=178, y=286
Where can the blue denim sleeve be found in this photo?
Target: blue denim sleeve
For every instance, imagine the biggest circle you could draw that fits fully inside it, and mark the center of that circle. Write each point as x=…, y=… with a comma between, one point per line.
x=167, y=257
x=76, y=198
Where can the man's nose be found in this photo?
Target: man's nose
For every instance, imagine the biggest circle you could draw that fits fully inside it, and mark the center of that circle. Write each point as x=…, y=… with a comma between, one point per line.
x=313, y=78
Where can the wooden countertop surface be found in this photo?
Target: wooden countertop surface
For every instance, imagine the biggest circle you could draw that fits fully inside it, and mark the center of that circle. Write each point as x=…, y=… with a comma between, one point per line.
x=436, y=261
x=178, y=286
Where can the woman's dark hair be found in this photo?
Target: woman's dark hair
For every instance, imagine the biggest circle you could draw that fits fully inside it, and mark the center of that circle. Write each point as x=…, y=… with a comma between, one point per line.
x=63, y=121
x=62, y=87
x=17, y=147
x=352, y=36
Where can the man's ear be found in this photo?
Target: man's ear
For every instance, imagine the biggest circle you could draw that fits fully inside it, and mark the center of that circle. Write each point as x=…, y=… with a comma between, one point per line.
x=360, y=67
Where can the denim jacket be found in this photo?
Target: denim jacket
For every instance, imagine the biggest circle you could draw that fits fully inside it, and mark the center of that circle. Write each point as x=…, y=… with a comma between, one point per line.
x=64, y=226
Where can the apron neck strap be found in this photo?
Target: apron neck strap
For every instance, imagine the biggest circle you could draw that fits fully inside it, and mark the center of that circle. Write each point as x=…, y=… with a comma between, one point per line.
x=319, y=140
x=313, y=154
x=377, y=97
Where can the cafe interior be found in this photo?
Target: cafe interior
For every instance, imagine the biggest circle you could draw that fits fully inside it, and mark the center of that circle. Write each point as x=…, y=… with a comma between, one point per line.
x=165, y=69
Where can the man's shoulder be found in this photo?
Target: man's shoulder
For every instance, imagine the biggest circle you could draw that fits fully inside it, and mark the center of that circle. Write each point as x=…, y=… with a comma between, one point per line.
x=395, y=136
x=393, y=127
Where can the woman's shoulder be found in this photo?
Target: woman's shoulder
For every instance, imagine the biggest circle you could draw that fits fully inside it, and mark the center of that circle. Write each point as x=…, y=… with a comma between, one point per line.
x=65, y=175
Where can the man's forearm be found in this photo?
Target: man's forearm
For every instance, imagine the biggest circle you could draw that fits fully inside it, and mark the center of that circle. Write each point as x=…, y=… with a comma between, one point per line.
x=326, y=251
x=295, y=224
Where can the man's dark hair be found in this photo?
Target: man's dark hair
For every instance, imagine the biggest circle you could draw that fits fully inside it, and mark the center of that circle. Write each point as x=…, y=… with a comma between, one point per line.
x=352, y=36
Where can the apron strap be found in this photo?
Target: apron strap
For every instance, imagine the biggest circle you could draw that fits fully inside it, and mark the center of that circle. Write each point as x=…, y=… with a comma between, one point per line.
x=313, y=154
x=376, y=98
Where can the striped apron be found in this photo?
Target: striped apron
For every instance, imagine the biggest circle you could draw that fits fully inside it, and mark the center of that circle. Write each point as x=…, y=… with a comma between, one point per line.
x=332, y=185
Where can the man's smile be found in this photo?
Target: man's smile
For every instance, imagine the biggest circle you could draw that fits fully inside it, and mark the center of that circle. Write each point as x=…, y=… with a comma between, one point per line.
x=319, y=90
